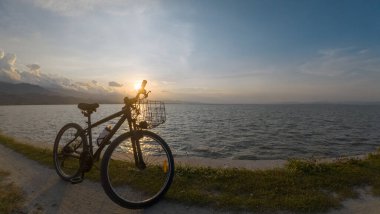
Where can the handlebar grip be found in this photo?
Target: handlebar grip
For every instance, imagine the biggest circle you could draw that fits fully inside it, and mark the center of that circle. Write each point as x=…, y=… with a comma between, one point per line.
x=143, y=84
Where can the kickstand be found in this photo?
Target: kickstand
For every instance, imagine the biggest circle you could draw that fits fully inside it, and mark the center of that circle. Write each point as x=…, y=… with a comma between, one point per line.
x=78, y=179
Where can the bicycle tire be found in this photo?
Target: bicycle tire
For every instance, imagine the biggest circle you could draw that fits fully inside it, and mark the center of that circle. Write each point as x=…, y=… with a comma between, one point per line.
x=122, y=179
x=68, y=147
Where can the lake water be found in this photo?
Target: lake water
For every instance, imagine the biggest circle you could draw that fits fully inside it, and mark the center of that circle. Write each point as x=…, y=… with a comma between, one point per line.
x=247, y=132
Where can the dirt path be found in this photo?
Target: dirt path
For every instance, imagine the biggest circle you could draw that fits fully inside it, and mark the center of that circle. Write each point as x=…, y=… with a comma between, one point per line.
x=47, y=193
x=366, y=204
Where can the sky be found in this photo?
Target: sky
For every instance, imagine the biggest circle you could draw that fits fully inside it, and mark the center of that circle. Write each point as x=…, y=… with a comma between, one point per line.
x=235, y=51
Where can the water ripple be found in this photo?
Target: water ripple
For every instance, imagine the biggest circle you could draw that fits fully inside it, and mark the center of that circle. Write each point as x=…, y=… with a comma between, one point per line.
x=227, y=131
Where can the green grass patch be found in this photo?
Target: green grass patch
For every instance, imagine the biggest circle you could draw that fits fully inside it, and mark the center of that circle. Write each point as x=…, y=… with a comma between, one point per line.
x=11, y=196
x=42, y=156
x=302, y=186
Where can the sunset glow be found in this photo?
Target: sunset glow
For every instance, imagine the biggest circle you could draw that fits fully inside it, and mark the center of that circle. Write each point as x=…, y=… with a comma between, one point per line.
x=203, y=51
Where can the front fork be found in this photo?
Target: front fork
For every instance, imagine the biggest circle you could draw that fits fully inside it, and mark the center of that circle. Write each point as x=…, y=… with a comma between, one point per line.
x=135, y=138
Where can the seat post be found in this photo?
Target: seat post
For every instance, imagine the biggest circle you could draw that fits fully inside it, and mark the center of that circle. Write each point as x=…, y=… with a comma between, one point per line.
x=89, y=132
x=88, y=118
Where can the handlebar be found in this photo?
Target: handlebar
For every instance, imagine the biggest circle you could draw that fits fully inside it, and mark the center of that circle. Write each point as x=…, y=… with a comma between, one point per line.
x=141, y=91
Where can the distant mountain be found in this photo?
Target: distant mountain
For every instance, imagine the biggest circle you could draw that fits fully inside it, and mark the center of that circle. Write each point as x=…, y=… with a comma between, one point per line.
x=22, y=88
x=101, y=97
x=28, y=94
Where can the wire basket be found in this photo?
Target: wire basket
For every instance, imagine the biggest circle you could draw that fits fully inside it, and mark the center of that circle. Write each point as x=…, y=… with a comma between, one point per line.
x=149, y=113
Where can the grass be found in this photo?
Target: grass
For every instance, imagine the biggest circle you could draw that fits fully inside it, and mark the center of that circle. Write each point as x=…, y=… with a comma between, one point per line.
x=11, y=196
x=302, y=186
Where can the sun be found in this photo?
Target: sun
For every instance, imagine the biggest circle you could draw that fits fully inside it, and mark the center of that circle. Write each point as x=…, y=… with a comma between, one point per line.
x=137, y=85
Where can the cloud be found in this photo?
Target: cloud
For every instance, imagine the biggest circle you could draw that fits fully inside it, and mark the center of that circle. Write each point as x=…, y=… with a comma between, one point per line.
x=130, y=36
x=114, y=84
x=68, y=7
x=341, y=62
x=80, y=7
x=34, y=75
x=8, y=71
x=335, y=51
x=92, y=86
x=35, y=69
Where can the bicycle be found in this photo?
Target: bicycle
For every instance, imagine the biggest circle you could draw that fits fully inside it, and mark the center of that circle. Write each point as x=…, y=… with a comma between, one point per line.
x=137, y=167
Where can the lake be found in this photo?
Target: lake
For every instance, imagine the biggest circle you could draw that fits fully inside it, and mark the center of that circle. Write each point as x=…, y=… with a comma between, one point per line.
x=246, y=132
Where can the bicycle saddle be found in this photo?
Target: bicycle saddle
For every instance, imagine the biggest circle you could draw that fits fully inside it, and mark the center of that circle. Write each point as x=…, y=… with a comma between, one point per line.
x=90, y=107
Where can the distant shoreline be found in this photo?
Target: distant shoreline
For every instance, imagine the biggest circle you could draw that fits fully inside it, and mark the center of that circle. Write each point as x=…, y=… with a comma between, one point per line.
x=200, y=103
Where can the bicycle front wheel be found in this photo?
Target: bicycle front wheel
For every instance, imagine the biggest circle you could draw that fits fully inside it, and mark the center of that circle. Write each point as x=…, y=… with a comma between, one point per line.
x=132, y=181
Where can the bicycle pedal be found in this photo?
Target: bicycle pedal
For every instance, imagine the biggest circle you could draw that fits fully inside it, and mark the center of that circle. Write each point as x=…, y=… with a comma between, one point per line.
x=76, y=180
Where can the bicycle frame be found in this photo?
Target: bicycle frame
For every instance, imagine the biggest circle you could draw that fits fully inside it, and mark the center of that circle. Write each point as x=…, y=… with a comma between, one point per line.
x=125, y=114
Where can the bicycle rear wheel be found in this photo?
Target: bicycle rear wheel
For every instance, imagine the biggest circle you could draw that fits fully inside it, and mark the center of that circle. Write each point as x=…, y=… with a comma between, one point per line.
x=68, y=147
x=134, y=185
